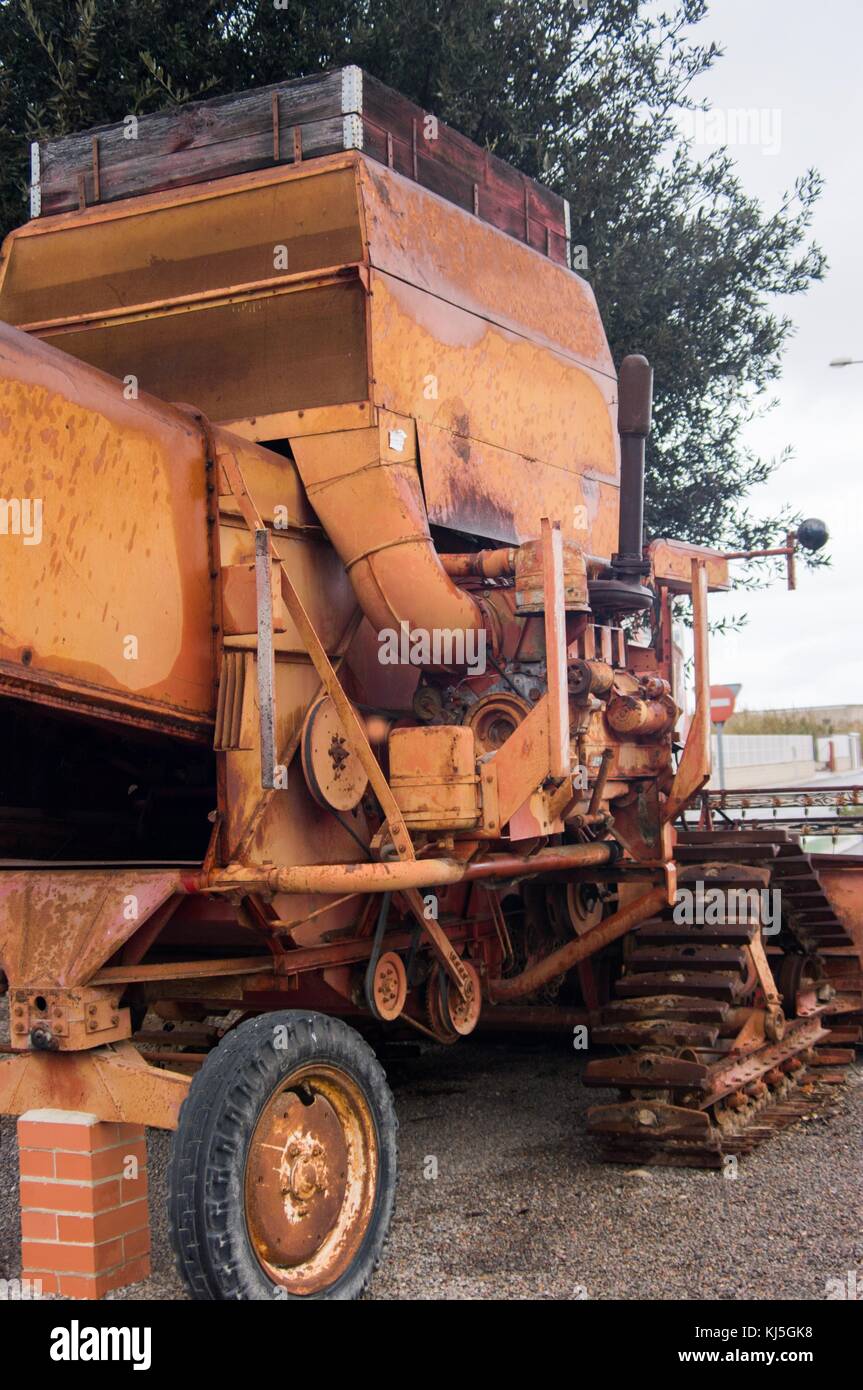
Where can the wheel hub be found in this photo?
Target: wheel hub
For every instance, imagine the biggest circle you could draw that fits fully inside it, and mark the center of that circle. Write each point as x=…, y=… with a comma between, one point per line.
x=310, y=1181
x=296, y=1178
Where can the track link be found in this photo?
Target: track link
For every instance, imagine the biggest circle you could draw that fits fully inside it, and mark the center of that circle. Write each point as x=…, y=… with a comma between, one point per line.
x=702, y=1080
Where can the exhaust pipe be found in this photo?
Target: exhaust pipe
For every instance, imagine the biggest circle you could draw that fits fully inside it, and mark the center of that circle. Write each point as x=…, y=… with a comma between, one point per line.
x=624, y=593
x=635, y=401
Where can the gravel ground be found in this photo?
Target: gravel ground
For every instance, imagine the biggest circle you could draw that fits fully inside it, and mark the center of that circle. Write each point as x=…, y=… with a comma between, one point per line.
x=519, y=1208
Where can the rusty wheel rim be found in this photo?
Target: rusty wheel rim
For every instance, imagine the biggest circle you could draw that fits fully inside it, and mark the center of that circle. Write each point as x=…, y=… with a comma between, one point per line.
x=311, y=1179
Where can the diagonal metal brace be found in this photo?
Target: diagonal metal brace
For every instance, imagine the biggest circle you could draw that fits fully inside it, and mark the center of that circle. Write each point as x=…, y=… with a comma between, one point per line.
x=398, y=831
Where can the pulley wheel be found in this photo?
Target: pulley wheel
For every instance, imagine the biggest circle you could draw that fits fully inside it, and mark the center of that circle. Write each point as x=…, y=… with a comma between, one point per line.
x=494, y=717
x=331, y=765
x=584, y=905
x=573, y=908
x=459, y=1014
x=389, y=986
x=442, y=1029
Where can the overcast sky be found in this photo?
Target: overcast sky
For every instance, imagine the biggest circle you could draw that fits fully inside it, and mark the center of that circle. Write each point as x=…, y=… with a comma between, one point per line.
x=803, y=61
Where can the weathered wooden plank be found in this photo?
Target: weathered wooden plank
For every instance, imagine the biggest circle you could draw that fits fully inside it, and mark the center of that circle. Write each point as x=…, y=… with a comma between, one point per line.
x=390, y=111
x=304, y=117
x=200, y=124
x=154, y=173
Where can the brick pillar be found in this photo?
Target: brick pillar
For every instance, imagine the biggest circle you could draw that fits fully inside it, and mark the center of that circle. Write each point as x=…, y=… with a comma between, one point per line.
x=84, y=1222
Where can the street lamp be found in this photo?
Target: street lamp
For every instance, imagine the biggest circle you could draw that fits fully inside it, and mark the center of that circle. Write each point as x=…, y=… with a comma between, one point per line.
x=846, y=361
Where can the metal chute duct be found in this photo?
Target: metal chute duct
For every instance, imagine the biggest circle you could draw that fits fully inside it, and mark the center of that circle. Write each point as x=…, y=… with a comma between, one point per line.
x=371, y=506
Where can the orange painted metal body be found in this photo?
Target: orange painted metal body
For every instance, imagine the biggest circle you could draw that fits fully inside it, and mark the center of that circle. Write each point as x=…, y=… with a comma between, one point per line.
x=368, y=380
x=388, y=299
x=415, y=386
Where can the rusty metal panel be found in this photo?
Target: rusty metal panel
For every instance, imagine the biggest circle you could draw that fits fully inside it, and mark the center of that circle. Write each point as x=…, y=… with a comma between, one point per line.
x=509, y=429
x=433, y=776
x=671, y=563
x=256, y=355
x=470, y=485
x=501, y=357
x=111, y=601
x=450, y=365
x=57, y=926
x=240, y=601
x=264, y=261
x=421, y=239
x=115, y=1085
x=841, y=877
x=181, y=244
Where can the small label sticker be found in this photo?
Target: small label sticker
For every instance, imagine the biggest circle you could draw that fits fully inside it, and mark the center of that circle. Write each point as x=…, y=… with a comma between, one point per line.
x=397, y=440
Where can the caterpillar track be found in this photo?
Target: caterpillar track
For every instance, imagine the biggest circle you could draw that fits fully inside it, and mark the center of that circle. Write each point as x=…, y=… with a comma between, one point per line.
x=731, y=1025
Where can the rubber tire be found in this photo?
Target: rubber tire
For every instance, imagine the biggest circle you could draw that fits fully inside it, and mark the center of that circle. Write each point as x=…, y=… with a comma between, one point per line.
x=217, y=1119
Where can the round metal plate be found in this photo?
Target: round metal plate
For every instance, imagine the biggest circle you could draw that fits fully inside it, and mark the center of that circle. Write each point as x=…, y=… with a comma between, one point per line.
x=332, y=769
x=295, y=1179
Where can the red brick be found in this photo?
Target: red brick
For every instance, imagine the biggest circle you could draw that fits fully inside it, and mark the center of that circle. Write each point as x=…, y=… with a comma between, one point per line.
x=74, y=1135
x=44, y=1282
x=107, y=1163
x=130, y=1133
x=67, y=1196
x=85, y=1227
x=104, y=1225
x=131, y=1273
x=97, y=1285
x=36, y=1163
x=71, y=1259
x=138, y=1243
x=82, y=1286
x=133, y=1188
x=38, y=1225
x=43, y=1134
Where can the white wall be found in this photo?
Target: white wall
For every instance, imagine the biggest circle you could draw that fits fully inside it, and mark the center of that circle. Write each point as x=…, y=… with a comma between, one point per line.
x=774, y=760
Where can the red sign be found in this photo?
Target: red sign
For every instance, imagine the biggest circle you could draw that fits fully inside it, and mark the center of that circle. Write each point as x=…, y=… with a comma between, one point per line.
x=722, y=698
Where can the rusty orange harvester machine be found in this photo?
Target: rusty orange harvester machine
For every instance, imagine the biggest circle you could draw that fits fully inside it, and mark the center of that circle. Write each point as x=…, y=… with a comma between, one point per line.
x=324, y=711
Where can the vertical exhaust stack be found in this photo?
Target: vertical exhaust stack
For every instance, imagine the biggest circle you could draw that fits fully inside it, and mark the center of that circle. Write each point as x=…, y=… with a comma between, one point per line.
x=635, y=400
x=624, y=593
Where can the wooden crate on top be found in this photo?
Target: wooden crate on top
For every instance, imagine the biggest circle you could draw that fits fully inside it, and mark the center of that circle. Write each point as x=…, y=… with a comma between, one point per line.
x=298, y=119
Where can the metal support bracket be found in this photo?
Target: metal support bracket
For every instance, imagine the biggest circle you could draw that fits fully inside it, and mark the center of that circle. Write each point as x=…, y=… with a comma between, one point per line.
x=266, y=656
x=694, y=767
x=397, y=829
